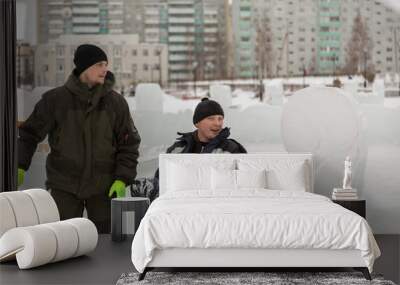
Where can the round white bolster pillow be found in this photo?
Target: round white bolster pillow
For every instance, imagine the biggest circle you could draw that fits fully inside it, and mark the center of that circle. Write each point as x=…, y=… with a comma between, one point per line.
x=40, y=244
x=26, y=208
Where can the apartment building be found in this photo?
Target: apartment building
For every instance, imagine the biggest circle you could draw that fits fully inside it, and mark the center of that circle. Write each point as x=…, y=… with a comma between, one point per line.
x=130, y=61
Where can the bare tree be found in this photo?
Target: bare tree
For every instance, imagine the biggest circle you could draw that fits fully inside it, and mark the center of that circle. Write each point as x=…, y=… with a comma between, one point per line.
x=312, y=66
x=263, y=51
x=222, y=49
x=191, y=64
x=359, y=47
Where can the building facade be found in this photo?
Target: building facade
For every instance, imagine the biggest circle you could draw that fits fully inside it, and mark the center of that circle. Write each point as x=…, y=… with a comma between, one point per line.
x=131, y=62
x=195, y=33
x=59, y=17
x=311, y=36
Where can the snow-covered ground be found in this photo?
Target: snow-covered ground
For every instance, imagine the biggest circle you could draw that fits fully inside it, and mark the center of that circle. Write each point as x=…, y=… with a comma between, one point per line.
x=392, y=103
x=323, y=127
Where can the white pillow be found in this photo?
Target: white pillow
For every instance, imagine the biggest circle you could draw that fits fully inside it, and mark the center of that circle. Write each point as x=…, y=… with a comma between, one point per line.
x=223, y=179
x=290, y=178
x=227, y=179
x=251, y=178
x=281, y=174
x=182, y=177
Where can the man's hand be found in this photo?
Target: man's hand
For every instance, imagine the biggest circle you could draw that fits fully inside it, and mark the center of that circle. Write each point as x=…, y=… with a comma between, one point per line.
x=21, y=175
x=118, y=187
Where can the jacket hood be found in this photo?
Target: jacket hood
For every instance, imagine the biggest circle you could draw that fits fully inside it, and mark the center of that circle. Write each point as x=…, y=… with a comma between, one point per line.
x=84, y=92
x=223, y=134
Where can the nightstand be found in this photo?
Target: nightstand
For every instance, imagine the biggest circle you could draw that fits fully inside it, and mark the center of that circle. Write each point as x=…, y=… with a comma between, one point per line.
x=138, y=205
x=357, y=206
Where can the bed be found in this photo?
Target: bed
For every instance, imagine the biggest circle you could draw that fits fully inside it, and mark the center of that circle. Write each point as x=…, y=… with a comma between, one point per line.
x=247, y=210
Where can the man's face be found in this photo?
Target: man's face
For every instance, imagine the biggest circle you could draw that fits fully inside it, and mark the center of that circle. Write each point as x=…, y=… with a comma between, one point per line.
x=96, y=74
x=210, y=127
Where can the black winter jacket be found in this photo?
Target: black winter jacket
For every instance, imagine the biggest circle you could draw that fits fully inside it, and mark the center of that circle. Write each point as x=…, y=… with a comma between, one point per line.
x=91, y=135
x=220, y=144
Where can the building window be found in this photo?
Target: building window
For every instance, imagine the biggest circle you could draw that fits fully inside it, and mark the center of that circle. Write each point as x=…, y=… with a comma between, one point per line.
x=117, y=51
x=60, y=51
x=117, y=64
x=145, y=67
x=134, y=52
x=145, y=52
x=60, y=65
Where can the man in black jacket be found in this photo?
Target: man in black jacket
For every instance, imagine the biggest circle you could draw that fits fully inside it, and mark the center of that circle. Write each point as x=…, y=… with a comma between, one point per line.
x=93, y=141
x=209, y=137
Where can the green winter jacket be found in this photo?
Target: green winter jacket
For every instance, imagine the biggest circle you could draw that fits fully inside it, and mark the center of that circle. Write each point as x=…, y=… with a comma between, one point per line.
x=91, y=135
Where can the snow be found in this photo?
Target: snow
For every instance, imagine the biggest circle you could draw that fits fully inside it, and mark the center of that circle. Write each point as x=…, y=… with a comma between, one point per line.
x=222, y=94
x=149, y=97
x=329, y=122
x=274, y=92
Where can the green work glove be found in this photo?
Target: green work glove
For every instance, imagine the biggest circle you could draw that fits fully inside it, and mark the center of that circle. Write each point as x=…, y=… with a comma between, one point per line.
x=118, y=187
x=21, y=174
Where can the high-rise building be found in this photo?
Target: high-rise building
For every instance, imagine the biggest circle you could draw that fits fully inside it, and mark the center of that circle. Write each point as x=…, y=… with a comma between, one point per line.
x=243, y=38
x=329, y=41
x=58, y=17
x=292, y=35
x=195, y=33
x=383, y=28
x=155, y=21
x=311, y=36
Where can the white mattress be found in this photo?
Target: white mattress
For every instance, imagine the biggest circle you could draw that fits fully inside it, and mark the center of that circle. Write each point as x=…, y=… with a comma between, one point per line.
x=254, y=218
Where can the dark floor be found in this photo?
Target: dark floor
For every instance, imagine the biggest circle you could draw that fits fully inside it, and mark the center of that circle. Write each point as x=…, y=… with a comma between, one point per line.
x=110, y=260
x=103, y=266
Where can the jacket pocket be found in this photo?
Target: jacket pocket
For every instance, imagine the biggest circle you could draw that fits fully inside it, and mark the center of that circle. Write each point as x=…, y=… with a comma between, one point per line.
x=63, y=165
x=62, y=173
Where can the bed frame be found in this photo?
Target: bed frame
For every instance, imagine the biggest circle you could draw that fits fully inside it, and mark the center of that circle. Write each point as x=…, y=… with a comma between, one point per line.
x=242, y=259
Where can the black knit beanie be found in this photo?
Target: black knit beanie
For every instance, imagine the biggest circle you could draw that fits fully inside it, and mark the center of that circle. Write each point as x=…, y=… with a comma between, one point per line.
x=206, y=108
x=86, y=55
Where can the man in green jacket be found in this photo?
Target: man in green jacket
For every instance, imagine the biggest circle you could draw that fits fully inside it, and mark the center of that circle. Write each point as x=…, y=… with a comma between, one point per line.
x=93, y=141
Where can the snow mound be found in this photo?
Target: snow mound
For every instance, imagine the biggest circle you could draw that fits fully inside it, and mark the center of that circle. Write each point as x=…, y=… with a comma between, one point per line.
x=149, y=97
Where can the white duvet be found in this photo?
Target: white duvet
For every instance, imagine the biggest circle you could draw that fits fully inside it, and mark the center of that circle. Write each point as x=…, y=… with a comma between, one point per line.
x=251, y=218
